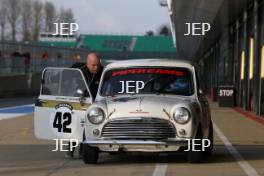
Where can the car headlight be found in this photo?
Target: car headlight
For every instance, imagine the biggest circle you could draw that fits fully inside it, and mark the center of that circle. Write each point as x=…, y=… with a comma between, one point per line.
x=96, y=116
x=181, y=115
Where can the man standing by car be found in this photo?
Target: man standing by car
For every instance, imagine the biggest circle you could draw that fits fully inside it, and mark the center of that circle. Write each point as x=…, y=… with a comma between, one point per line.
x=92, y=71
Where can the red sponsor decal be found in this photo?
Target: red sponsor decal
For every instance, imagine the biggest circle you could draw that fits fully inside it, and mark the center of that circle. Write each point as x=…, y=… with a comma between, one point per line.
x=148, y=70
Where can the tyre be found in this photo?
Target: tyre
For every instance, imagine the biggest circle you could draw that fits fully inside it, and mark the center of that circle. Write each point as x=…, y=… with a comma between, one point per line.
x=90, y=154
x=209, y=150
x=196, y=155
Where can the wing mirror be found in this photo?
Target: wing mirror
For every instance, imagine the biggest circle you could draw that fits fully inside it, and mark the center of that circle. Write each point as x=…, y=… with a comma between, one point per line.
x=201, y=95
x=80, y=92
x=200, y=92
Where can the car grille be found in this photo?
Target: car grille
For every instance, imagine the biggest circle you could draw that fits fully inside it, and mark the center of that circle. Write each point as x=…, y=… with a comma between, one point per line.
x=139, y=128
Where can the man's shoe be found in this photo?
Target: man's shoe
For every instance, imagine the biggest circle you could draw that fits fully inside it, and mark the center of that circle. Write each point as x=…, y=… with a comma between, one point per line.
x=69, y=154
x=80, y=155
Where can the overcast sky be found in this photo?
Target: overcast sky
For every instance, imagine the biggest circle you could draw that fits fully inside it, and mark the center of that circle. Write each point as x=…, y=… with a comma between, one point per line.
x=116, y=16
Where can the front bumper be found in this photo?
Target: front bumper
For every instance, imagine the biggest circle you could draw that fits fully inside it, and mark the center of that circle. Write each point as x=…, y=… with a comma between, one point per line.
x=137, y=145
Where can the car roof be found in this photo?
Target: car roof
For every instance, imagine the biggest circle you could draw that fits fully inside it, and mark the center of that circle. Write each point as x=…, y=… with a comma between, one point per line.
x=151, y=62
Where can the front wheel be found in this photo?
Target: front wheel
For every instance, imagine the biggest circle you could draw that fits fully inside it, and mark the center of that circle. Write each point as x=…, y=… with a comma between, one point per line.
x=209, y=150
x=195, y=156
x=90, y=154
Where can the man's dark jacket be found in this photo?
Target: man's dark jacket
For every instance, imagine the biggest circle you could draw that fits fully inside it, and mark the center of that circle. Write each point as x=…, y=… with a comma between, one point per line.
x=92, y=80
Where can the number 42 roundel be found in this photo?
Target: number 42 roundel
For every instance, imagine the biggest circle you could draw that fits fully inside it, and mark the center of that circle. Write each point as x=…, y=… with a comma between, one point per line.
x=62, y=122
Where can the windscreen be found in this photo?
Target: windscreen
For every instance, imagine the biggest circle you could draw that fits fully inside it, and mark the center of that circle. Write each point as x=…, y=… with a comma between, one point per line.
x=156, y=80
x=63, y=82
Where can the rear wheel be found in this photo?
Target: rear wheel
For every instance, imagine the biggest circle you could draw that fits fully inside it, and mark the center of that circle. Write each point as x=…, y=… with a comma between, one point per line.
x=195, y=156
x=90, y=154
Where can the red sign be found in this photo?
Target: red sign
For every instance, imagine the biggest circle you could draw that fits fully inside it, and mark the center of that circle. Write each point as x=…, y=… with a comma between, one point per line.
x=148, y=71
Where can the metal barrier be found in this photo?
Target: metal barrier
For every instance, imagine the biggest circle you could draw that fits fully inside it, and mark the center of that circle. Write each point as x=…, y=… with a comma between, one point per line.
x=58, y=57
x=16, y=65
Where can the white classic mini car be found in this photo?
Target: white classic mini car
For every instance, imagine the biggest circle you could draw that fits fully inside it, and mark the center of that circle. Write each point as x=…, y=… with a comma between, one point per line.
x=148, y=105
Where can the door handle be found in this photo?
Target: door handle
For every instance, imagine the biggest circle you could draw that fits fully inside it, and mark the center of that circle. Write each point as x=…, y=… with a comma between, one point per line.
x=82, y=100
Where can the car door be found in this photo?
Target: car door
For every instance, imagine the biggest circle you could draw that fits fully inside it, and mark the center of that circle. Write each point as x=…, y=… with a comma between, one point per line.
x=61, y=106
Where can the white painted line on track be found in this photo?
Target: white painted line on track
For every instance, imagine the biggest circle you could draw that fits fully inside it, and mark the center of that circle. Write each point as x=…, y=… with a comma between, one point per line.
x=11, y=107
x=160, y=170
x=4, y=116
x=248, y=169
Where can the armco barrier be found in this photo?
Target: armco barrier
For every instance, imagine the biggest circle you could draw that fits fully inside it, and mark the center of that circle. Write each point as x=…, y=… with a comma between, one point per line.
x=20, y=85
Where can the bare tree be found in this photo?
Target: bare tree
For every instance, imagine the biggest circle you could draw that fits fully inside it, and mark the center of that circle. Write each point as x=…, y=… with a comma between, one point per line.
x=37, y=21
x=66, y=16
x=164, y=30
x=149, y=33
x=3, y=20
x=50, y=16
x=69, y=16
x=13, y=14
x=61, y=16
x=26, y=19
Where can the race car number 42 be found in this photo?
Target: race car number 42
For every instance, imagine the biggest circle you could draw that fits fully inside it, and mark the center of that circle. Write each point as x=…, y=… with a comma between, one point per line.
x=62, y=122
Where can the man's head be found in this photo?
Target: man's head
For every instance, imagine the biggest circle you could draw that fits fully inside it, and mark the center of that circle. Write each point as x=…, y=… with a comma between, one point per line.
x=93, y=63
